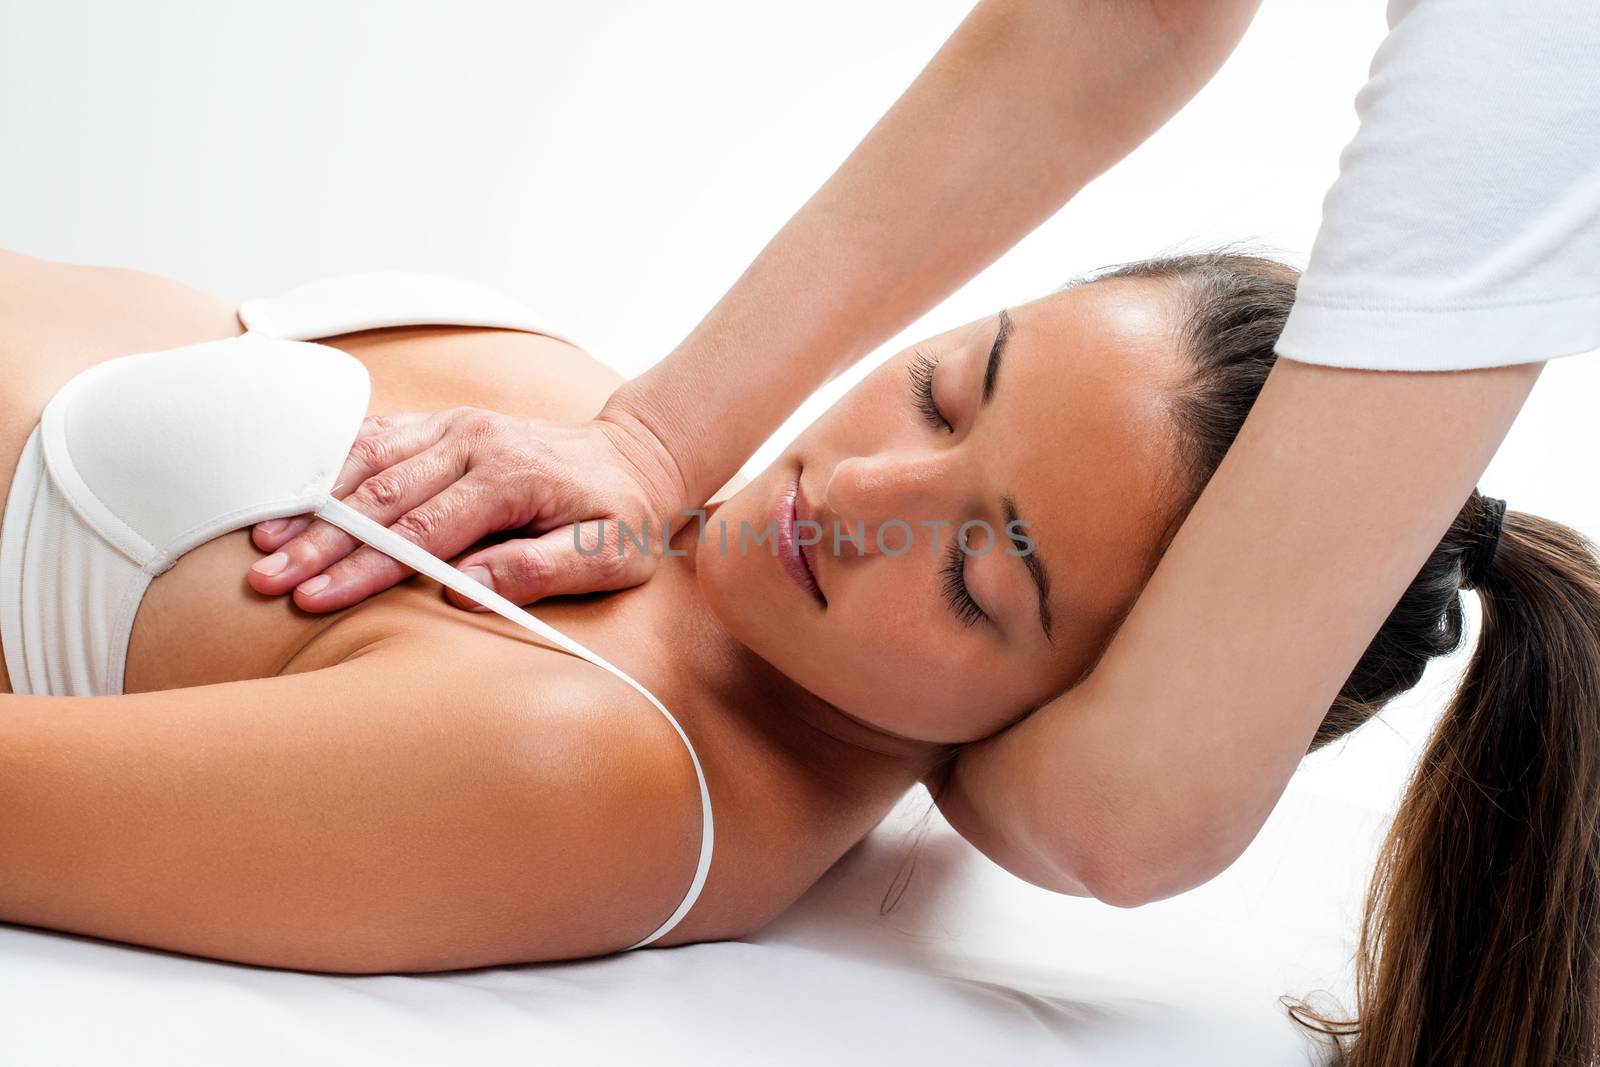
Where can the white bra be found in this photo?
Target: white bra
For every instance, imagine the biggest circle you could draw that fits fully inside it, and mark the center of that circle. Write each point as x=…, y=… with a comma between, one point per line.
x=140, y=459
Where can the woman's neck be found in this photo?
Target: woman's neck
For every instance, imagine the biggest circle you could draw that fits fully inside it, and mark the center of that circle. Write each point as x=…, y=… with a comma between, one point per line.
x=787, y=714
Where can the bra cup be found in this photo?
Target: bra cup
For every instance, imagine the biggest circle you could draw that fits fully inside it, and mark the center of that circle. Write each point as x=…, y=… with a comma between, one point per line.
x=173, y=448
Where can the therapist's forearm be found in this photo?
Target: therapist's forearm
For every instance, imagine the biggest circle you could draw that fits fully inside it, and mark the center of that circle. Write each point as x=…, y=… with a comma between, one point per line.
x=1027, y=102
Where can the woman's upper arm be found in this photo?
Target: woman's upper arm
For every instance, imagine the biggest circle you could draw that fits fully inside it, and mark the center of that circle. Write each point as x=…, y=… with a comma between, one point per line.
x=387, y=813
x=1155, y=773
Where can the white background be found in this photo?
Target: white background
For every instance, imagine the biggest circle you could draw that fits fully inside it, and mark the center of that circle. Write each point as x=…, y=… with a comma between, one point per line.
x=618, y=165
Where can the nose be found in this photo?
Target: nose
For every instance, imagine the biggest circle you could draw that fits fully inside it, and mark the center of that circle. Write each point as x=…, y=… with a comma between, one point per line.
x=871, y=496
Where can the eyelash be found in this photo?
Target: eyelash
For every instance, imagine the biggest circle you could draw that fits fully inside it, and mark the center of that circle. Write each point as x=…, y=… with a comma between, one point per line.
x=954, y=585
x=921, y=371
x=953, y=580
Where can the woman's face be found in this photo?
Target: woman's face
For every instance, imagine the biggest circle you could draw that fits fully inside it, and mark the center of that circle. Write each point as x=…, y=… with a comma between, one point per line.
x=1043, y=430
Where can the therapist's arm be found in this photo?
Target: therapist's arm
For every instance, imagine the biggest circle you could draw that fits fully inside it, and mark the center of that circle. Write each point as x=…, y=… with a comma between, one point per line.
x=1154, y=774
x=1026, y=103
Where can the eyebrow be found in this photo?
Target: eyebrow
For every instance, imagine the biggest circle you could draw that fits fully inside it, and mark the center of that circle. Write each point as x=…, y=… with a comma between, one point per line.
x=996, y=352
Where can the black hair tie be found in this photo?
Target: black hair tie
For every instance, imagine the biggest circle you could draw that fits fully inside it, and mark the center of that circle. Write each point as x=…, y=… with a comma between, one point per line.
x=1479, y=556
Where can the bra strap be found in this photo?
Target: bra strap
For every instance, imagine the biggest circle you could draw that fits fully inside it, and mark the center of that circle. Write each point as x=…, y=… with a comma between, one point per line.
x=393, y=545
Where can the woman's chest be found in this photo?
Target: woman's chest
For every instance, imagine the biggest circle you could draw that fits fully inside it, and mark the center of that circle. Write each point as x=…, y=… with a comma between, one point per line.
x=199, y=622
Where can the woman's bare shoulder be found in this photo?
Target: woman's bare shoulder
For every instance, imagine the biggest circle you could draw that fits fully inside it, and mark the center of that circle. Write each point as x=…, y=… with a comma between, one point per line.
x=566, y=715
x=602, y=778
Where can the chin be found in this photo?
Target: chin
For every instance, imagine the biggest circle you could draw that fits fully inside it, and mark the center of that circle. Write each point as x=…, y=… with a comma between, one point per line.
x=733, y=592
x=719, y=583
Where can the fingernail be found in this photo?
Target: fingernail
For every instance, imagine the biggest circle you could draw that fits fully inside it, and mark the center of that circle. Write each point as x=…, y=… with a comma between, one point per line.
x=270, y=565
x=479, y=574
x=272, y=527
x=313, y=586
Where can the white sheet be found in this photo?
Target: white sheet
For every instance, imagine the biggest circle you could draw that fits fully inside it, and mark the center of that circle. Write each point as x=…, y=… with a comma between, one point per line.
x=971, y=966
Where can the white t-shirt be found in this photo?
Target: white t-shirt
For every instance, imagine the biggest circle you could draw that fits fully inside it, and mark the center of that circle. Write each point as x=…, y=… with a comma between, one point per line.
x=1464, y=228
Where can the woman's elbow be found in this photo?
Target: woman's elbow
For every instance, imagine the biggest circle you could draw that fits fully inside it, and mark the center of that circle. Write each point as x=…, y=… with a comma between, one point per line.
x=1126, y=885
x=1134, y=866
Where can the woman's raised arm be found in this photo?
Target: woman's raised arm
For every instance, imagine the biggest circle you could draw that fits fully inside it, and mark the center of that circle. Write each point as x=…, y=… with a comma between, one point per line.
x=1156, y=772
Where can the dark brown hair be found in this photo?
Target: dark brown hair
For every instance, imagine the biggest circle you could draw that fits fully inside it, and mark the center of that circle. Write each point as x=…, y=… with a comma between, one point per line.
x=1482, y=924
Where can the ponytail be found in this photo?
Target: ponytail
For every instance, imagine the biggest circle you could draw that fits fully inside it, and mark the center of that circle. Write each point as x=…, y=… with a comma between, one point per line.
x=1481, y=933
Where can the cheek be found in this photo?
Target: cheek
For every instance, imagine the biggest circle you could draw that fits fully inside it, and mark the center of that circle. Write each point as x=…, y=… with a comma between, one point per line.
x=897, y=664
x=886, y=656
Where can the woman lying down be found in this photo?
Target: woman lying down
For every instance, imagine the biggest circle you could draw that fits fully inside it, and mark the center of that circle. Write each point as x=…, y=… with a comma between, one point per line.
x=402, y=786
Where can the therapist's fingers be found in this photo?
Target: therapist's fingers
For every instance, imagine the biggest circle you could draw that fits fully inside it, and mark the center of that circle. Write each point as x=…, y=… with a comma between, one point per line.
x=531, y=568
x=448, y=523
x=396, y=497
x=381, y=441
x=270, y=535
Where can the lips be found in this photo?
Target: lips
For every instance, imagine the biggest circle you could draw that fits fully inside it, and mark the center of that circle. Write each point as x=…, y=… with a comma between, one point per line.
x=808, y=552
x=798, y=561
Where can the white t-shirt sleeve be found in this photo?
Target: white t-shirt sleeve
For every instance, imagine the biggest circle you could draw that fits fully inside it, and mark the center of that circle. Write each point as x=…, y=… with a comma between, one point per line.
x=1464, y=227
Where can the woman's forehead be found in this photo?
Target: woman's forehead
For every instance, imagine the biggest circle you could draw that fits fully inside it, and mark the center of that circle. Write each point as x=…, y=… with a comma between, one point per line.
x=1083, y=436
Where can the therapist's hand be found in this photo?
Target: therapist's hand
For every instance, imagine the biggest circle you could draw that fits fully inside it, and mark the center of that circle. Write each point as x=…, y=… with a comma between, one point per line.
x=447, y=479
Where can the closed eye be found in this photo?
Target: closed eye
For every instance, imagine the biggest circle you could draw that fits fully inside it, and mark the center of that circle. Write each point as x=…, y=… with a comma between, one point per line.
x=953, y=583
x=921, y=372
